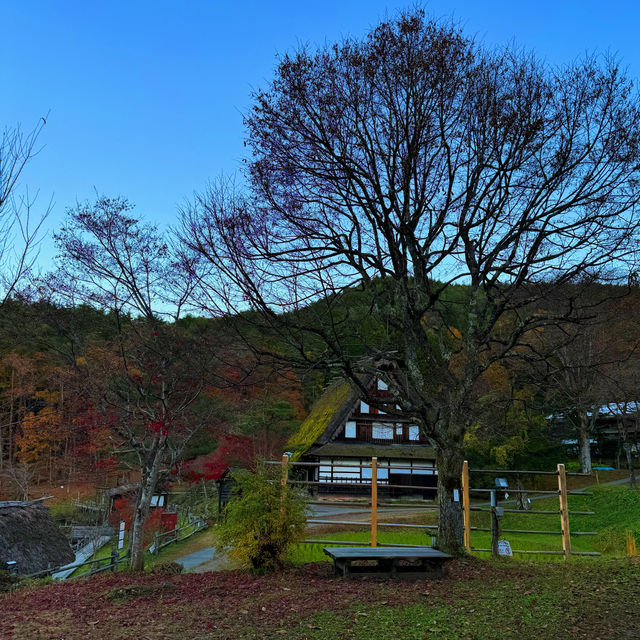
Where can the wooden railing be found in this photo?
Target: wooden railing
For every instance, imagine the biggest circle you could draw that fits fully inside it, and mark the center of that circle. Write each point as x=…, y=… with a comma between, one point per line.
x=496, y=512
x=173, y=535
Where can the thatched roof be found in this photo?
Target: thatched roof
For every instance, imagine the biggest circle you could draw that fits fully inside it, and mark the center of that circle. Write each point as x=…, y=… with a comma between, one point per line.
x=334, y=407
x=30, y=537
x=382, y=451
x=331, y=409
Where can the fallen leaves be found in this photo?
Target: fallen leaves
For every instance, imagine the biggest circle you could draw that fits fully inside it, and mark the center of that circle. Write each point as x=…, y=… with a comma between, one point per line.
x=239, y=605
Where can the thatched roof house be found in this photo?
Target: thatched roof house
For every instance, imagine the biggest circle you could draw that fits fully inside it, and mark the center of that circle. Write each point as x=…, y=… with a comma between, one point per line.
x=342, y=433
x=30, y=538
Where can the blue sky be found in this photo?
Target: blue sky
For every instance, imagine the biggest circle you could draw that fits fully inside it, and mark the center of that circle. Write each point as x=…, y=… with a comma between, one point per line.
x=145, y=99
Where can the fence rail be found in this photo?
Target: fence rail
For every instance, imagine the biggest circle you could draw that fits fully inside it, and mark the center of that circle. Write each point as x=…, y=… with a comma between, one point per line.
x=173, y=535
x=112, y=561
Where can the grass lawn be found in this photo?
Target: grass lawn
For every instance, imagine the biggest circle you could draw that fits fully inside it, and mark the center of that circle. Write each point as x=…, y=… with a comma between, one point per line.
x=485, y=600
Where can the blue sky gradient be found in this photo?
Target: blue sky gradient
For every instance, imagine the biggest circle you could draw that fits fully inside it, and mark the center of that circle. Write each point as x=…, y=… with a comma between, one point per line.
x=145, y=99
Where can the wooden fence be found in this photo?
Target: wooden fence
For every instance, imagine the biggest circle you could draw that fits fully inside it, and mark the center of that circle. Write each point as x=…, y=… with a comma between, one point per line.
x=496, y=512
x=101, y=564
x=563, y=511
x=165, y=538
x=373, y=503
x=111, y=562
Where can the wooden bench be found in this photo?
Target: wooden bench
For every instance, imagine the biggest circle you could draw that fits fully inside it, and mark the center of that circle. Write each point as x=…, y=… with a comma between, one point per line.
x=415, y=562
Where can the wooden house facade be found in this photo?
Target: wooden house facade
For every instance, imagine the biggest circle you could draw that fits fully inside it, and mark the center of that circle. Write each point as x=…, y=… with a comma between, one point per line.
x=342, y=433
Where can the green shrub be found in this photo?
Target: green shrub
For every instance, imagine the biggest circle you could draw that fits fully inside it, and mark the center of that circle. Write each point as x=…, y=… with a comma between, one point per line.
x=7, y=580
x=30, y=583
x=610, y=540
x=262, y=520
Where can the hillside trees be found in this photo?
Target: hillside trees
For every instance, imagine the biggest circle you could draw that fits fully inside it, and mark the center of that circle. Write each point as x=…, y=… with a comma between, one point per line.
x=40, y=344
x=400, y=166
x=583, y=366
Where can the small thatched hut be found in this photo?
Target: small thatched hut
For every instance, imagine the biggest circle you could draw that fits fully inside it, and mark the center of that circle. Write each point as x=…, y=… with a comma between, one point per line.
x=30, y=538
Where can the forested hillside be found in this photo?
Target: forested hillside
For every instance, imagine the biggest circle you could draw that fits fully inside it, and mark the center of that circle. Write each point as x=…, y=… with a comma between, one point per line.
x=56, y=365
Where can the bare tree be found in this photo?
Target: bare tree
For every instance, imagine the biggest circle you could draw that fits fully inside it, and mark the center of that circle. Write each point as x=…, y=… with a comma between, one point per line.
x=577, y=383
x=20, y=477
x=628, y=427
x=146, y=384
x=19, y=229
x=624, y=404
x=387, y=171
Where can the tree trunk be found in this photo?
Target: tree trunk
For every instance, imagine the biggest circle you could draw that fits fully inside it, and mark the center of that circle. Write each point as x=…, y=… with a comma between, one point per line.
x=522, y=499
x=148, y=483
x=450, y=528
x=10, y=434
x=584, y=442
x=632, y=473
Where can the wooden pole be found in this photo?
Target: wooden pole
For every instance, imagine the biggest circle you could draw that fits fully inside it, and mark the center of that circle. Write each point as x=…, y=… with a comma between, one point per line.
x=466, y=507
x=631, y=544
x=374, y=502
x=285, y=469
x=495, y=524
x=285, y=477
x=564, y=510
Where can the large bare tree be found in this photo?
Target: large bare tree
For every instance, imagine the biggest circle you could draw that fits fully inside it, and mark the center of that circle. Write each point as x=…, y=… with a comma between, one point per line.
x=384, y=173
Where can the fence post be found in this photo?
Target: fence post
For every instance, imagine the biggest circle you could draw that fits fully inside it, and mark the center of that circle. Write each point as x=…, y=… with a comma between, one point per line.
x=374, y=502
x=466, y=512
x=631, y=544
x=564, y=510
x=285, y=469
x=155, y=542
x=114, y=559
x=495, y=524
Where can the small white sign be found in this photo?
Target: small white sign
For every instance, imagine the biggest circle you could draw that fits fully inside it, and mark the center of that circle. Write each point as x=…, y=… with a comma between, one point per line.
x=456, y=495
x=504, y=548
x=121, y=535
